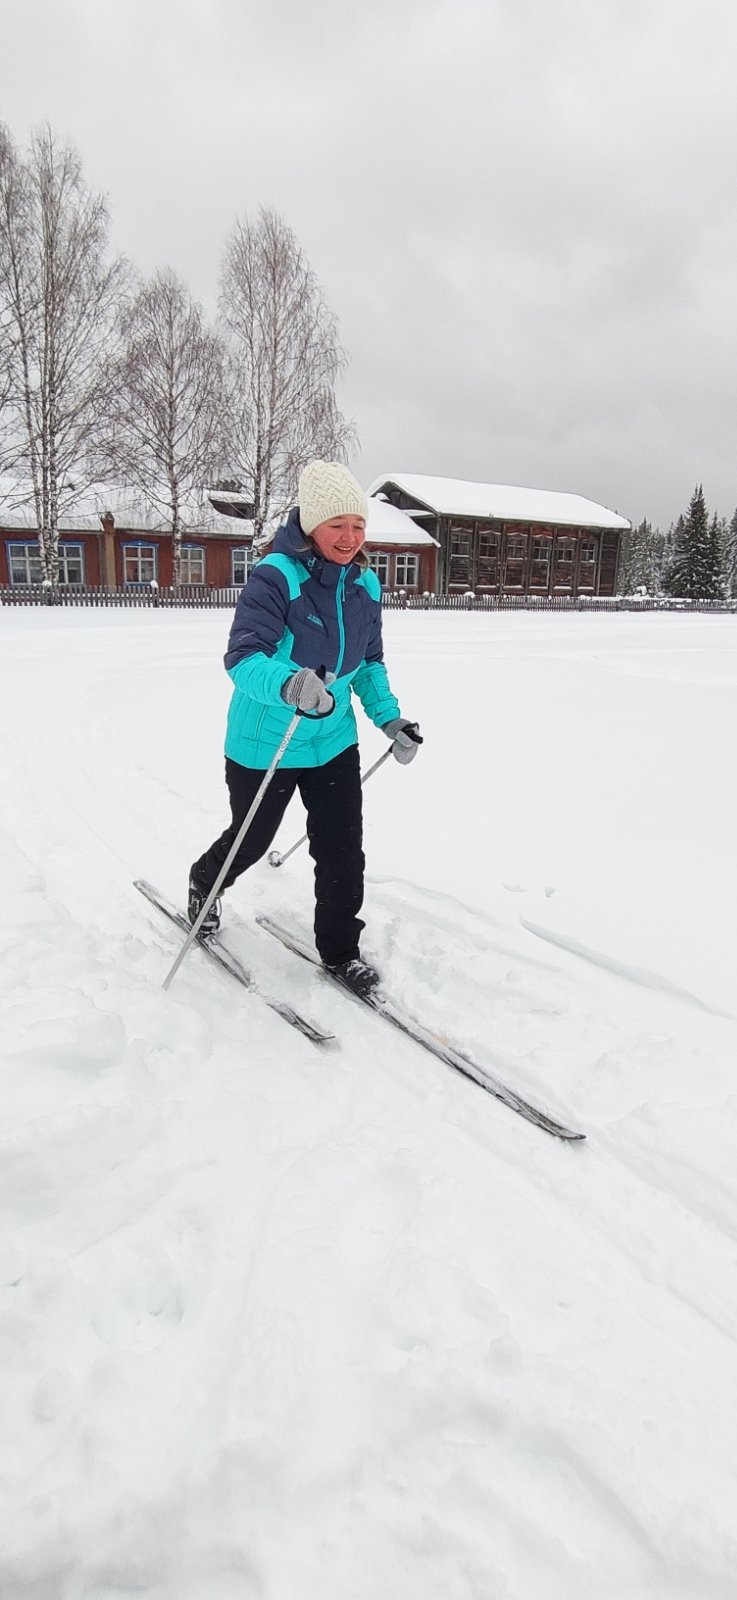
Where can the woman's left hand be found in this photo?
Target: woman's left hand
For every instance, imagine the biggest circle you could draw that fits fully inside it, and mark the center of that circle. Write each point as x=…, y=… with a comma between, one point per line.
x=405, y=737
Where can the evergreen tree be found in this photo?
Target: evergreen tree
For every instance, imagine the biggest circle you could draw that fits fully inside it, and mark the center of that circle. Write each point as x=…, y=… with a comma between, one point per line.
x=695, y=566
x=674, y=558
x=730, y=559
x=714, y=557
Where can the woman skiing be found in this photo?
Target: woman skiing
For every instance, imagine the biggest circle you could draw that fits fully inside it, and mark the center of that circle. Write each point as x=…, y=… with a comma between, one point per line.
x=311, y=607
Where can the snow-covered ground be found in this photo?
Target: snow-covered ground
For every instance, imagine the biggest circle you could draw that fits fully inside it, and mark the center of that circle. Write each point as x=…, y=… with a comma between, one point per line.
x=293, y=1325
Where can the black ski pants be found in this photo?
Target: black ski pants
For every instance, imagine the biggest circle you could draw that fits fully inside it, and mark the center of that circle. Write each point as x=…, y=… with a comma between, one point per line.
x=333, y=800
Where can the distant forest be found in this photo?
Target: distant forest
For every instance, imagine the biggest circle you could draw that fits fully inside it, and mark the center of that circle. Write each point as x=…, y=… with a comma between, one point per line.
x=695, y=560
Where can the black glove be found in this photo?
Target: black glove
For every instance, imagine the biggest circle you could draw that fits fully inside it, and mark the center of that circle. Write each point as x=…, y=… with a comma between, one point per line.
x=405, y=737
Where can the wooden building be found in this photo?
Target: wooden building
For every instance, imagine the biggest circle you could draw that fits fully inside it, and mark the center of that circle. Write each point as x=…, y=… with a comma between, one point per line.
x=109, y=541
x=125, y=547
x=499, y=540
x=402, y=552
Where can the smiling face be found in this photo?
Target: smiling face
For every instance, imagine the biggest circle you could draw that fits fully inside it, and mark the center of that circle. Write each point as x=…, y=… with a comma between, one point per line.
x=340, y=538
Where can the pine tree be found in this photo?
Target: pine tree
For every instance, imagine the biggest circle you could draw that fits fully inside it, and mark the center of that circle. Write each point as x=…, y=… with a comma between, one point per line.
x=641, y=559
x=714, y=558
x=674, y=558
x=695, y=566
x=730, y=559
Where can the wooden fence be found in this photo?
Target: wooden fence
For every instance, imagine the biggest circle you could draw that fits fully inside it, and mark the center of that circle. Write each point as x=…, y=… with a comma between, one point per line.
x=196, y=596
x=147, y=596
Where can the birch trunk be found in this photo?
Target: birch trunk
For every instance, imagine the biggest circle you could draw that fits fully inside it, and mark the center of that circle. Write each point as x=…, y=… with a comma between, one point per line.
x=285, y=359
x=57, y=297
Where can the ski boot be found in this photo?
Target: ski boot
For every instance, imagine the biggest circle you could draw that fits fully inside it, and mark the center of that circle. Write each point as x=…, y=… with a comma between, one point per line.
x=195, y=901
x=356, y=975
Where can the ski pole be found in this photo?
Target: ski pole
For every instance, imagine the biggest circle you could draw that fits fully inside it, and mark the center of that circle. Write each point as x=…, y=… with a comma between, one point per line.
x=242, y=831
x=275, y=859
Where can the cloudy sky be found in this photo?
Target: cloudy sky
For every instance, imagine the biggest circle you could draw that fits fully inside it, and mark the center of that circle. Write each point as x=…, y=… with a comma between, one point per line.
x=522, y=212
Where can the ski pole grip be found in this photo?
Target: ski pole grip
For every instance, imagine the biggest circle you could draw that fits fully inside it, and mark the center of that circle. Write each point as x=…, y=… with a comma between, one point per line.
x=317, y=716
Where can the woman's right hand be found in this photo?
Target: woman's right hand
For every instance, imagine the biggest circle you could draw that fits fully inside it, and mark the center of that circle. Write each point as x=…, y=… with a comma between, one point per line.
x=307, y=692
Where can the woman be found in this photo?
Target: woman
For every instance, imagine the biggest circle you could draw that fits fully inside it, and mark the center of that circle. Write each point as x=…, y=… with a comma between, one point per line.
x=311, y=605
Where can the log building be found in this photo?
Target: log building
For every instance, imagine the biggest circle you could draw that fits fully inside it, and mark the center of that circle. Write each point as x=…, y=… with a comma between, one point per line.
x=499, y=540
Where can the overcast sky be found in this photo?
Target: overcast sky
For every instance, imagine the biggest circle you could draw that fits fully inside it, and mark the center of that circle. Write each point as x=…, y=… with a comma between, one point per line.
x=522, y=212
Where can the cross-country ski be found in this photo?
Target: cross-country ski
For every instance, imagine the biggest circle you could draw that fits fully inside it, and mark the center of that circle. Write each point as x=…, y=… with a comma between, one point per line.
x=448, y=1053
x=214, y=947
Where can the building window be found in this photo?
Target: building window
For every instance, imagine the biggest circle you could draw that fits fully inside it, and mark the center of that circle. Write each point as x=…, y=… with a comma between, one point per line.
x=380, y=565
x=25, y=564
x=565, y=552
x=461, y=541
x=71, y=563
x=514, y=565
x=406, y=569
x=587, y=569
x=139, y=563
x=192, y=564
x=487, y=573
x=242, y=562
x=540, y=566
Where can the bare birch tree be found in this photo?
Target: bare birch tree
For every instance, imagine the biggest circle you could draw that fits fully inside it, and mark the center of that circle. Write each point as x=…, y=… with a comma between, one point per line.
x=166, y=403
x=57, y=298
x=285, y=357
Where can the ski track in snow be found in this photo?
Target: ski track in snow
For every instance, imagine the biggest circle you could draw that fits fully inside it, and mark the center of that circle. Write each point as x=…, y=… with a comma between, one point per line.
x=279, y=1321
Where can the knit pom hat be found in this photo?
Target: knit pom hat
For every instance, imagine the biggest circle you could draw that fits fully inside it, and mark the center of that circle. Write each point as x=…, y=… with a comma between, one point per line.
x=327, y=489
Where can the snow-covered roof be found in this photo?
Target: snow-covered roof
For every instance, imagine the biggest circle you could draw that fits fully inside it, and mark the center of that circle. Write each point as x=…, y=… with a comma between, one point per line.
x=456, y=497
x=388, y=525
x=83, y=514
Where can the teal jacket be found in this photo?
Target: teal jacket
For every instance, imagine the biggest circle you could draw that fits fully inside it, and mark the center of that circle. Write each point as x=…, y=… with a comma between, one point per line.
x=299, y=610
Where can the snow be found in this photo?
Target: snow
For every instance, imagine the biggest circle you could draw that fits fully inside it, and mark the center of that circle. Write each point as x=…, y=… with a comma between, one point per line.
x=82, y=512
x=387, y=525
x=454, y=497
x=282, y=1322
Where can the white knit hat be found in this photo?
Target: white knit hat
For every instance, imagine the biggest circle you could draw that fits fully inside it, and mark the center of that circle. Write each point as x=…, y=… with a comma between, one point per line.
x=327, y=489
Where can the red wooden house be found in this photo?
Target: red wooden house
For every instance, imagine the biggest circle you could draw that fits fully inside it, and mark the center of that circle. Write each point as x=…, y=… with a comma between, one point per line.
x=110, y=541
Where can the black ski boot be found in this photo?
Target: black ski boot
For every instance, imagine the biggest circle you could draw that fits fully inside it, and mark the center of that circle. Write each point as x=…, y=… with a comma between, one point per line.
x=195, y=901
x=357, y=976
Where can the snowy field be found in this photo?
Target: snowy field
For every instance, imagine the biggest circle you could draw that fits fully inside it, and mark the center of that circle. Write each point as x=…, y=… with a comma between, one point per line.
x=282, y=1324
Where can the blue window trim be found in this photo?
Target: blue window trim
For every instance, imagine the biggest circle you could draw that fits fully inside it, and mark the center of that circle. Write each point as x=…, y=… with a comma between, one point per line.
x=189, y=544
x=22, y=544
x=140, y=544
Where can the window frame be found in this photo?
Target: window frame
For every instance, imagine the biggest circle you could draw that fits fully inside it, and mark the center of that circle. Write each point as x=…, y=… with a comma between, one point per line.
x=189, y=549
x=31, y=557
x=381, y=558
x=249, y=562
x=137, y=546
x=407, y=557
x=66, y=549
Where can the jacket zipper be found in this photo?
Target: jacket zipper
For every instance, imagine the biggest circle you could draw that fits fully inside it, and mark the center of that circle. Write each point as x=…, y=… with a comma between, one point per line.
x=339, y=591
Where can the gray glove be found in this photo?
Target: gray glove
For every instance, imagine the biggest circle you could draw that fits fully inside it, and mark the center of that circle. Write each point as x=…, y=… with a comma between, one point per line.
x=308, y=693
x=405, y=737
